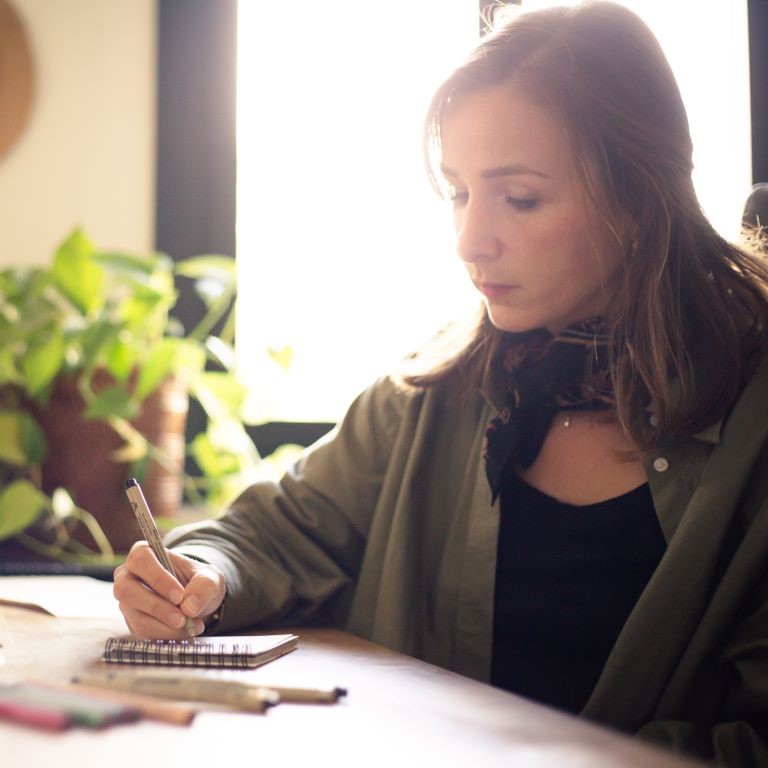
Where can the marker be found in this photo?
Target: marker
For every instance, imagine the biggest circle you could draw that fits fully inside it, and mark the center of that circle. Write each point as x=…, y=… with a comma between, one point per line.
x=32, y=701
x=149, y=707
x=34, y=716
x=152, y=535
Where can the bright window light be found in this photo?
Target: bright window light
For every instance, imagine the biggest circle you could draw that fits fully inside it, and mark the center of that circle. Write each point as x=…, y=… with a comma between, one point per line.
x=345, y=254
x=707, y=45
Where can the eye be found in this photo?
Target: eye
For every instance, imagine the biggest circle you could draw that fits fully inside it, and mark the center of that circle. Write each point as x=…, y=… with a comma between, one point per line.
x=457, y=197
x=522, y=203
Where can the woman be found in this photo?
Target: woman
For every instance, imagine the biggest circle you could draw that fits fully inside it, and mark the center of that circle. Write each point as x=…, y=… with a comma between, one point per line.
x=572, y=502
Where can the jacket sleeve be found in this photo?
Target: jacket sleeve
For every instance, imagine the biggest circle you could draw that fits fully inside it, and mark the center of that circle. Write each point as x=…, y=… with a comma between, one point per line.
x=291, y=550
x=740, y=737
x=736, y=744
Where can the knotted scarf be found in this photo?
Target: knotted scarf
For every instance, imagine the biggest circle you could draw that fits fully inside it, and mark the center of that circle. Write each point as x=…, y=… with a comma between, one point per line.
x=545, y=374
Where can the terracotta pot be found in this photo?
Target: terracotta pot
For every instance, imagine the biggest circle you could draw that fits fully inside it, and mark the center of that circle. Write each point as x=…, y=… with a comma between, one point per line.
x=80, y=456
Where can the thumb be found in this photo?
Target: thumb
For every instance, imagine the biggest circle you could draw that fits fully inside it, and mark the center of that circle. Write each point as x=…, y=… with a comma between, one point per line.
x=204, y=591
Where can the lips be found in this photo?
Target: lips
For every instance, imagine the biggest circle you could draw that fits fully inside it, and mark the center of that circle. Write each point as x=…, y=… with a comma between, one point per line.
x=495, y=290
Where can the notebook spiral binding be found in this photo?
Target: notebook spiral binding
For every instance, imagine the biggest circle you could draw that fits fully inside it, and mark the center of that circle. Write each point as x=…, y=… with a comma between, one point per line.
x=177, y=653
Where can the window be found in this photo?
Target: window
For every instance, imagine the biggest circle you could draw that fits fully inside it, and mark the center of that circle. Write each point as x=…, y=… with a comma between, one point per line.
x=345, y=254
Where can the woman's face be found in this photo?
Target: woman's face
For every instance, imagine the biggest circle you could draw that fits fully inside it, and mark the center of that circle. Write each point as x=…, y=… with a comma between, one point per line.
x=534, y=247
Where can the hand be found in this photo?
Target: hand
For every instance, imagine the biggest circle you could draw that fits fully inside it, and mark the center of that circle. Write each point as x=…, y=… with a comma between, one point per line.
x=155, y=604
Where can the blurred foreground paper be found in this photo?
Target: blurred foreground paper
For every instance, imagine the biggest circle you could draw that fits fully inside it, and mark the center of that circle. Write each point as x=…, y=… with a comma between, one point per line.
x=69, y=597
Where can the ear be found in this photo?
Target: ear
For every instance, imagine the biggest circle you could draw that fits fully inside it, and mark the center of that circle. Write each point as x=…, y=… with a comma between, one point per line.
x=624, y=231
x=628, y=231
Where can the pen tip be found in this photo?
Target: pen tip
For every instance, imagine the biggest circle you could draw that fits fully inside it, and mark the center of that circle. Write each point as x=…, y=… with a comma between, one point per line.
x=130, y=482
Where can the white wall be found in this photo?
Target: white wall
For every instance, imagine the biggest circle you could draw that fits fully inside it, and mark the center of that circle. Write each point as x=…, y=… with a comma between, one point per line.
x=87, y=156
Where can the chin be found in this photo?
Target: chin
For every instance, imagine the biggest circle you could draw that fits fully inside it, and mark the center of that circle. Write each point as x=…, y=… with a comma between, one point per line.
x=514, y=322
x=517, y=321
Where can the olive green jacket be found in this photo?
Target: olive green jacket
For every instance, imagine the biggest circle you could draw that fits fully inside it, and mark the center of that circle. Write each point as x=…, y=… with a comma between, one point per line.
x=386, y=528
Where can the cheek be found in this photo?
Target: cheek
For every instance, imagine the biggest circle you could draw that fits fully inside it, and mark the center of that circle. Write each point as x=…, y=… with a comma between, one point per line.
x=560, y=246
x=586, y=242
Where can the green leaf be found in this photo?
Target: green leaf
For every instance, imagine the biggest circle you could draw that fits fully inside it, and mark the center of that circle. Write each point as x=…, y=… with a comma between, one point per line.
x=9, y=374
x=215, y=279
x=22, y=442
x=97, y=339
x=20, y=505
x=140, y=467
x=33, y=441
x=76, y=274
x=215, y=294
x=145, y=310
x=220, y=394
x=130, y=264
x=156, y=368
x=283, y=356
x=112, y=402
x=213, y=462
x=121, y=359
x=43, y=362
x=9, y=283
x=210, y=265
x=190, y=357
x=11, y=447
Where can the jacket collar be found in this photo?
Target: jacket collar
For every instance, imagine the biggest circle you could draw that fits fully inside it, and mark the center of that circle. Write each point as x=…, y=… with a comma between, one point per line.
x=710, y=434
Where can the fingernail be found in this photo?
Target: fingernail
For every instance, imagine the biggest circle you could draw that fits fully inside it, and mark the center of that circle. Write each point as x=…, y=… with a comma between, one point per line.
x=199, y=628
x=191, y=605
x=175, y=596
x=176, y=620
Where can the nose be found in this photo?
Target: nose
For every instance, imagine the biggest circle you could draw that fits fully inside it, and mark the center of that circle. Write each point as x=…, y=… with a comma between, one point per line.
x=476, y=238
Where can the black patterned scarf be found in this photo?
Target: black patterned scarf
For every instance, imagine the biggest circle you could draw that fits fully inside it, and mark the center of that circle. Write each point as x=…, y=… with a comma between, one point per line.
x=545, y=374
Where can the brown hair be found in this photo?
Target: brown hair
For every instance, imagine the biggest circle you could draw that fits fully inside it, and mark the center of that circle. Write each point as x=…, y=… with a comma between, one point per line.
x=692, y=309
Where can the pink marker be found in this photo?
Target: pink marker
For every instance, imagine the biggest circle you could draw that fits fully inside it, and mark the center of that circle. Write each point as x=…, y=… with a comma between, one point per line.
x=36, y=717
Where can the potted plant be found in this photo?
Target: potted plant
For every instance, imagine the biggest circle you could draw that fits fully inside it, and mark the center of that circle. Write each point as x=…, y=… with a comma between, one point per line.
x=95, y=377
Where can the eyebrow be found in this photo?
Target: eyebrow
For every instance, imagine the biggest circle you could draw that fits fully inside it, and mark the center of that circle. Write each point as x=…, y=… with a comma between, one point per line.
x=518, y=169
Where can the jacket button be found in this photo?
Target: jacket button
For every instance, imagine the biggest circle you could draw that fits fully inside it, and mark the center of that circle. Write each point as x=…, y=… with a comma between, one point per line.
x=660, y=464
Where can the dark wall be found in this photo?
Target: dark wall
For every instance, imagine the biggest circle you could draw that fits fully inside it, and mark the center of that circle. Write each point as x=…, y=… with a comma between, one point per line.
x=196, y=163
x=196, y=127
x=758, y=73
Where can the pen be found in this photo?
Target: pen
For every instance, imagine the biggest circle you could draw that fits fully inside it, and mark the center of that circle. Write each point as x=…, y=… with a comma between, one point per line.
x=207, y=689
x=151, y=534
x=249, y=698
x=309, y=695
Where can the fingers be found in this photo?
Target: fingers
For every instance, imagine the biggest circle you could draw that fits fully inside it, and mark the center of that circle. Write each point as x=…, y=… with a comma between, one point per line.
x=147, y=613
x=143, y=563
x=205, y=585
x=204, y=591
x=149, y=596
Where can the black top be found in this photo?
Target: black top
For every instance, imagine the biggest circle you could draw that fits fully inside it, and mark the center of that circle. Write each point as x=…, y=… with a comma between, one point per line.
x=567, y=578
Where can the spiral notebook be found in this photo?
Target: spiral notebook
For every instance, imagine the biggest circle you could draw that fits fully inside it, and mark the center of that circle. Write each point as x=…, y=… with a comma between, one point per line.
x=242, y=651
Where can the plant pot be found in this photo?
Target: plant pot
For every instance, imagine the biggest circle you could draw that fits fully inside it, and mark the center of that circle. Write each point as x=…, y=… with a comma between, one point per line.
x=80, y=456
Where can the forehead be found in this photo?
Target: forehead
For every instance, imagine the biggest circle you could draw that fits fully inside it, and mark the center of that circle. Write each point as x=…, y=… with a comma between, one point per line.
x=502, y=125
